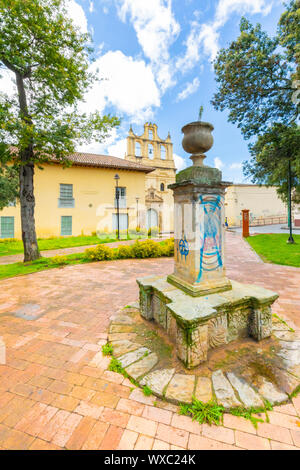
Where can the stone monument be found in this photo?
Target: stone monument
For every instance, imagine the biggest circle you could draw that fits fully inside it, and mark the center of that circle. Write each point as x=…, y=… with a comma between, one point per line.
x=198, y=306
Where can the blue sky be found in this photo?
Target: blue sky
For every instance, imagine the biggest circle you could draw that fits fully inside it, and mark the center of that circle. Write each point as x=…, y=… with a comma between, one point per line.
x=155, y=58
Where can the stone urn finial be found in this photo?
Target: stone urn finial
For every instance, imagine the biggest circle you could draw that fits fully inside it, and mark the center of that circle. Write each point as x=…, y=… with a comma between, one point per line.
x=197, y=140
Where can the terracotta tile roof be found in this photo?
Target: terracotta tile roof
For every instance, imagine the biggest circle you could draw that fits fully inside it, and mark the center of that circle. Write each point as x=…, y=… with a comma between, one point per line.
x=106, y=161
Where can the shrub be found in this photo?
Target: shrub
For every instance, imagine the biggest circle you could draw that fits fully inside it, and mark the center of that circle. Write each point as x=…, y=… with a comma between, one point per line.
x=125, y=251
x=60, y=260
x=140, y=249
x=100, y=253
x=146, y=249
x=167, y=247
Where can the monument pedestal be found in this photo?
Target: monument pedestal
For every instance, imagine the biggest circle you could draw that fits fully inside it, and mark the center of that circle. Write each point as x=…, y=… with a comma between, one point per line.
x=198, y=306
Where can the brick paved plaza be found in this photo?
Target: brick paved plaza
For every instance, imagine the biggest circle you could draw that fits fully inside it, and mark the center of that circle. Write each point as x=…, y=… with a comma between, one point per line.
x=55, y=391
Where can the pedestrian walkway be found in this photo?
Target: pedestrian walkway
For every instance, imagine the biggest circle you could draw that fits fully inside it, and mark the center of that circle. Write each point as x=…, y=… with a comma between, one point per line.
x=56, y=392
x=10, y=259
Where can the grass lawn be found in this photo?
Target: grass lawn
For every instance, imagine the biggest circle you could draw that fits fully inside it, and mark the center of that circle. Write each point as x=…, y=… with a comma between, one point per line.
x=274, y=248
x=16, y=246
x=19, y=269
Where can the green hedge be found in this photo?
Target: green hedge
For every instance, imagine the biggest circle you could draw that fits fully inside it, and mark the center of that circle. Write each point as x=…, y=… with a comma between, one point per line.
x=139, y=249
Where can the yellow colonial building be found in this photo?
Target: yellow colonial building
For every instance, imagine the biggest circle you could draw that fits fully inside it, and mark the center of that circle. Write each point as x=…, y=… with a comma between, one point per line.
x=81, y=199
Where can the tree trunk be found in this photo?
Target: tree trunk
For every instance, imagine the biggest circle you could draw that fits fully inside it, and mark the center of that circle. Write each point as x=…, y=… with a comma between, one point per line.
x=26, y=173
x=27, y=201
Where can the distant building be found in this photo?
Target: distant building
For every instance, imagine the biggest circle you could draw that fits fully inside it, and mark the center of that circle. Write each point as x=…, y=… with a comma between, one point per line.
x=150, y=150
x=81, y=199
x=263, y=202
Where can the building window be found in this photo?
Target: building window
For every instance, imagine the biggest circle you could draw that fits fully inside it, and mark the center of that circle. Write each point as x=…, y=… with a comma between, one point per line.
x=66, y=225
x=150, y=134
x=163, y=152
x=150, y=151
x=123, y=221
x=7, y=227
x=12, y=203
x=138, y=151
x=162, y=186
x=66, y=196
x=122, y=197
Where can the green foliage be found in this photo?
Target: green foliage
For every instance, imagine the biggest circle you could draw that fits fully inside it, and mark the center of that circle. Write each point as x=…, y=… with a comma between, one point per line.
x=210, y=413
x=295, y=393
x=14, y=246
x=147, y=391
x=249, y=413
x=100, y=253
x=115, y=366
x=15, y=269
x=59, y=260
x=50, y=59
x=140, y=249
x=9, y=184
x=256, y=77
x=146, y=249
x=273, y=248
x=271, y=154
x=107, y=349
x=49, y=56
x=281, y=320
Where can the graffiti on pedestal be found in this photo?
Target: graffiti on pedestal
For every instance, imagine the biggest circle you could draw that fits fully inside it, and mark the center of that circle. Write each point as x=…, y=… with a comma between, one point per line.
x=183, y=247
x=210, y=234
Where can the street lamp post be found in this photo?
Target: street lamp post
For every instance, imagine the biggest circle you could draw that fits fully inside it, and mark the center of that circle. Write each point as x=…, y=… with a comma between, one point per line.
x=137, y=211
x=291, y=239
x=117, y=177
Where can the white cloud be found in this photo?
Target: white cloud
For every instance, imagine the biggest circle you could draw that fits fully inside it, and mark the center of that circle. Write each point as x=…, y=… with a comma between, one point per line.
x=100, y=147
x=226, y=8
x=91, y=7
x=190, y=88
x=118, y=149
x=236, y=166
x=126, y=84
x=156, y=29
x=180, y=162
x=76, y=13
x=7, y=82
x=218, y=163
x=206, y=35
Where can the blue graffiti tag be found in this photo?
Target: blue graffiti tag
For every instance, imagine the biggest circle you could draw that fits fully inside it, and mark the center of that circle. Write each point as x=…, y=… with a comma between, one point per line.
x=184, y=247
x=212, y=233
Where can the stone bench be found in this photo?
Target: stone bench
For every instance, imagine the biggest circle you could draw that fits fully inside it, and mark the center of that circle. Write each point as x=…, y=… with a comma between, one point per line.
x=196, y=324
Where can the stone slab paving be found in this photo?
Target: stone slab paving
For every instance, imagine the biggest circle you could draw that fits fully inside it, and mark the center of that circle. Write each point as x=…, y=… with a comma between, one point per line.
x=56, y=392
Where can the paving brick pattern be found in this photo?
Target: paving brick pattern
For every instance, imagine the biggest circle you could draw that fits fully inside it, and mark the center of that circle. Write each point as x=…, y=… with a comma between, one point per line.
x=56, y=392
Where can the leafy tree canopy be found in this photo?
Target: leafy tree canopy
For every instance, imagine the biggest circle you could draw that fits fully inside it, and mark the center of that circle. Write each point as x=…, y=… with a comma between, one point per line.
x=50, y=60
x=270, y=155
x=256, y=78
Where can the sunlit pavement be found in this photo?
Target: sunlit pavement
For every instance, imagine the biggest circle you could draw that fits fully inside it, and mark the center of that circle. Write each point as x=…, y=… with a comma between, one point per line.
x=55, y=391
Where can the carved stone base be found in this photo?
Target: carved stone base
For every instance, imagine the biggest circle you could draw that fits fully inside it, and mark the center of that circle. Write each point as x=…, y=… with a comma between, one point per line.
x=204, y=288
x=196, y=324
